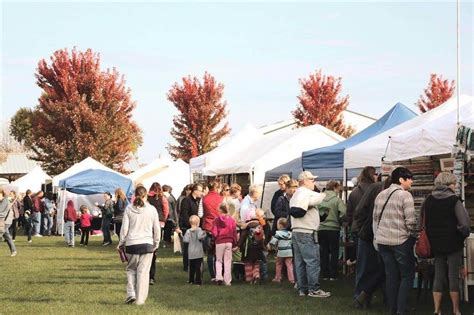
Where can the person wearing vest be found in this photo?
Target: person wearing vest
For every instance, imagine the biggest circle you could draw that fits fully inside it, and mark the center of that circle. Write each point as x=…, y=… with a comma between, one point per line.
x=447, y=225
x=395, y=229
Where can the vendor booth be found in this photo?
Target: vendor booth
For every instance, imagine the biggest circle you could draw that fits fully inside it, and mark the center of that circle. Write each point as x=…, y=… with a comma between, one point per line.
x=87, y=188
x=328, y=162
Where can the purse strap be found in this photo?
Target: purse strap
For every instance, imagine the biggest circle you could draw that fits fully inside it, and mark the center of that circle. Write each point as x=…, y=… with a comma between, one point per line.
x=385, y=204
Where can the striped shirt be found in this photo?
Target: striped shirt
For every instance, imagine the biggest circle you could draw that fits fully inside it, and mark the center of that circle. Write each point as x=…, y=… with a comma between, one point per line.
x=399, y=219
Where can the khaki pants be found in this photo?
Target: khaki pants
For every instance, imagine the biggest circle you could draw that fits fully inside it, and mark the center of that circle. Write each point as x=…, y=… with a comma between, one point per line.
x=138, y=276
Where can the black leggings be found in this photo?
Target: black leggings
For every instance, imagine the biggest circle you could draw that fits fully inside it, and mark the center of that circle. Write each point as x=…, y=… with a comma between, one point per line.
x=195, y=271
x=13, y=228
x=85, y=235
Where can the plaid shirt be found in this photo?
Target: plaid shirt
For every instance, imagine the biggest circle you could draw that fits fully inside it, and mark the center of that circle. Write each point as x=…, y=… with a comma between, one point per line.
x=399, y=220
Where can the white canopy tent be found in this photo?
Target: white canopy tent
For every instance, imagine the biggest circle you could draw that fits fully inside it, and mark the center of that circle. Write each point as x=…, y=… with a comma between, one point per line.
x=272, y=150
x=86, y=164
x=33, y=181
x=241, y=140
x=150, y=170
x=175, y=175
x=434, y=137
x=371, y=151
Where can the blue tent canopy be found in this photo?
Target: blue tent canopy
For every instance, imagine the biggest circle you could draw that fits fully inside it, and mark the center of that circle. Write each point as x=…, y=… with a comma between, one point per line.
x=97, y=181
x=332, y=157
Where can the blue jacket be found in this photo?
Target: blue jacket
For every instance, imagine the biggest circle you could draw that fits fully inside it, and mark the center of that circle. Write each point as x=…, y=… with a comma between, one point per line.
x=282, y=241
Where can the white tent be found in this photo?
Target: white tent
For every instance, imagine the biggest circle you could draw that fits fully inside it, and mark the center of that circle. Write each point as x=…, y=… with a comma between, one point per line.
x=272, y=150
x=433, y=137
x=175, y=175
x=33, y=181
x=241, y=140
x=86, y=164
x=150, y=170
x=370, y=152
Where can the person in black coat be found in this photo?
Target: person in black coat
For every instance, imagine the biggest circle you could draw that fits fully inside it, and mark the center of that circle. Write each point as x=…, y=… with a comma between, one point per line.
x=280, y=192
x=447, y=225
x=189, y=206
x=282, y=206
x=25, y=219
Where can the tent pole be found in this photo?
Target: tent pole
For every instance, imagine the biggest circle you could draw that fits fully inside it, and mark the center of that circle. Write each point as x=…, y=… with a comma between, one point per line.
x=263, y=193
x=458, y=57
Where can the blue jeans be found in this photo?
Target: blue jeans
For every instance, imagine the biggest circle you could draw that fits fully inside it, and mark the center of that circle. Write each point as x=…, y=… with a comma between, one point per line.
x=47, y=224
x=36, y=217
x=8, y=239
x=106, y=229
x=306, y=255
x=370, y=273
x=399, y=264
x=69, y=232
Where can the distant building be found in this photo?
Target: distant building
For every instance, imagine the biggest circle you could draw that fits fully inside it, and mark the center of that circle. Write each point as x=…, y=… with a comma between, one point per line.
x=16, y=165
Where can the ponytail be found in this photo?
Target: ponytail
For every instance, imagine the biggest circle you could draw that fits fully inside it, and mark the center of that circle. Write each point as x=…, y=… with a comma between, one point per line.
x=140, y=194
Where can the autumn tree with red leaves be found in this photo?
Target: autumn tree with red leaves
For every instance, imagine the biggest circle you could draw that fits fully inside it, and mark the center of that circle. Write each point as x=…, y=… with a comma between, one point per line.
x=319, y=103
x=200, y=124
x=82, y=111
x=438, y=92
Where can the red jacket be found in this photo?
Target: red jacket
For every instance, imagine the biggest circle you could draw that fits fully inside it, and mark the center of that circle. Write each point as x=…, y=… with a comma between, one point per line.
x=224, y=230
x=70, y=214
x=210, y=203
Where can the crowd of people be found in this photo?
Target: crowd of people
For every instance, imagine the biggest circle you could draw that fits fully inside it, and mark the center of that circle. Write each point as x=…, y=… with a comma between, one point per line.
x=214, y=221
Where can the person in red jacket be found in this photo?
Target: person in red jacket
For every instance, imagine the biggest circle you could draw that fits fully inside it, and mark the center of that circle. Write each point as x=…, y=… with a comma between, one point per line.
x=224, y=231
x=70, y=218
x=211, y=203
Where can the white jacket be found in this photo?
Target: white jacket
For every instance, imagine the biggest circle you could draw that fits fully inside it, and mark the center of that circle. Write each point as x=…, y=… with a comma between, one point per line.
x=140, y=226
x=307, y=200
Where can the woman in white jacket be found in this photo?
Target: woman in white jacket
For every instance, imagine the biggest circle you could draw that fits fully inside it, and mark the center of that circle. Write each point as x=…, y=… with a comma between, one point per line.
x=140, y=237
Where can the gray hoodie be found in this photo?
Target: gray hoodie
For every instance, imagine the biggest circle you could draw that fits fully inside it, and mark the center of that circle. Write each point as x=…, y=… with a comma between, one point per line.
x=140, y=225
x=194, y=238
x=443, y=192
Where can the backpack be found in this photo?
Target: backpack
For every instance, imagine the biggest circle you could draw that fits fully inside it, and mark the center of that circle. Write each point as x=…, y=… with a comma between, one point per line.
x=254, y=240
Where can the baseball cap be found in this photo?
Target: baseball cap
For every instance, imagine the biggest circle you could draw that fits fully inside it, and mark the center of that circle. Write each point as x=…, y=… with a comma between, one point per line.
x=306, y=175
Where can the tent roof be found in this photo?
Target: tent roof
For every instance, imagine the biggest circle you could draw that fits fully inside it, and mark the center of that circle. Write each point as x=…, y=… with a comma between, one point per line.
x=292, y=169
x=242, y=139
x=272, y=150
x=86, y=164
x=149, y=170
x=175, y=175
x=434, y=137
x=333, y=156
x=94, y=181
x=371, y=151
x=33, y=180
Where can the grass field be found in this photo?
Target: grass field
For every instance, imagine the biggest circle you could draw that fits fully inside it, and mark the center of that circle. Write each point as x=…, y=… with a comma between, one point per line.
x=48, y=278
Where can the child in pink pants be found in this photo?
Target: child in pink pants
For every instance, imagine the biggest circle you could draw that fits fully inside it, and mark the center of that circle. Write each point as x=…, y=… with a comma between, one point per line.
x=224, y=231
x=282, y=241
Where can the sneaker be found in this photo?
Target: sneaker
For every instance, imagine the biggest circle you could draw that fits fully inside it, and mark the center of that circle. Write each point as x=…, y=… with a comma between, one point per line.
x=13, y=254
x=80, y=244
x=332, y=279
x=325, y=279
x=38, y=235
x=106, y=243
x=130, y=300
x=220, y=282
x=295, y=286
x=29, y=241
x=319, y=294
x=276, y=280
x=152, y=282
x=301, y=293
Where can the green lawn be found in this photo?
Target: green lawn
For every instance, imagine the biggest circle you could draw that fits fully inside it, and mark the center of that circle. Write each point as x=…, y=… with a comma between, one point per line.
x=48, y=278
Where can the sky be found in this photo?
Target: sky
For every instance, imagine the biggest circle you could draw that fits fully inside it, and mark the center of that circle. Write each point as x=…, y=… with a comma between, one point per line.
x=383, y=51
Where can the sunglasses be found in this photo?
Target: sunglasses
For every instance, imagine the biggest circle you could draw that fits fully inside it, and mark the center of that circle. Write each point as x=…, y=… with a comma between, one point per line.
x=226, y=189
